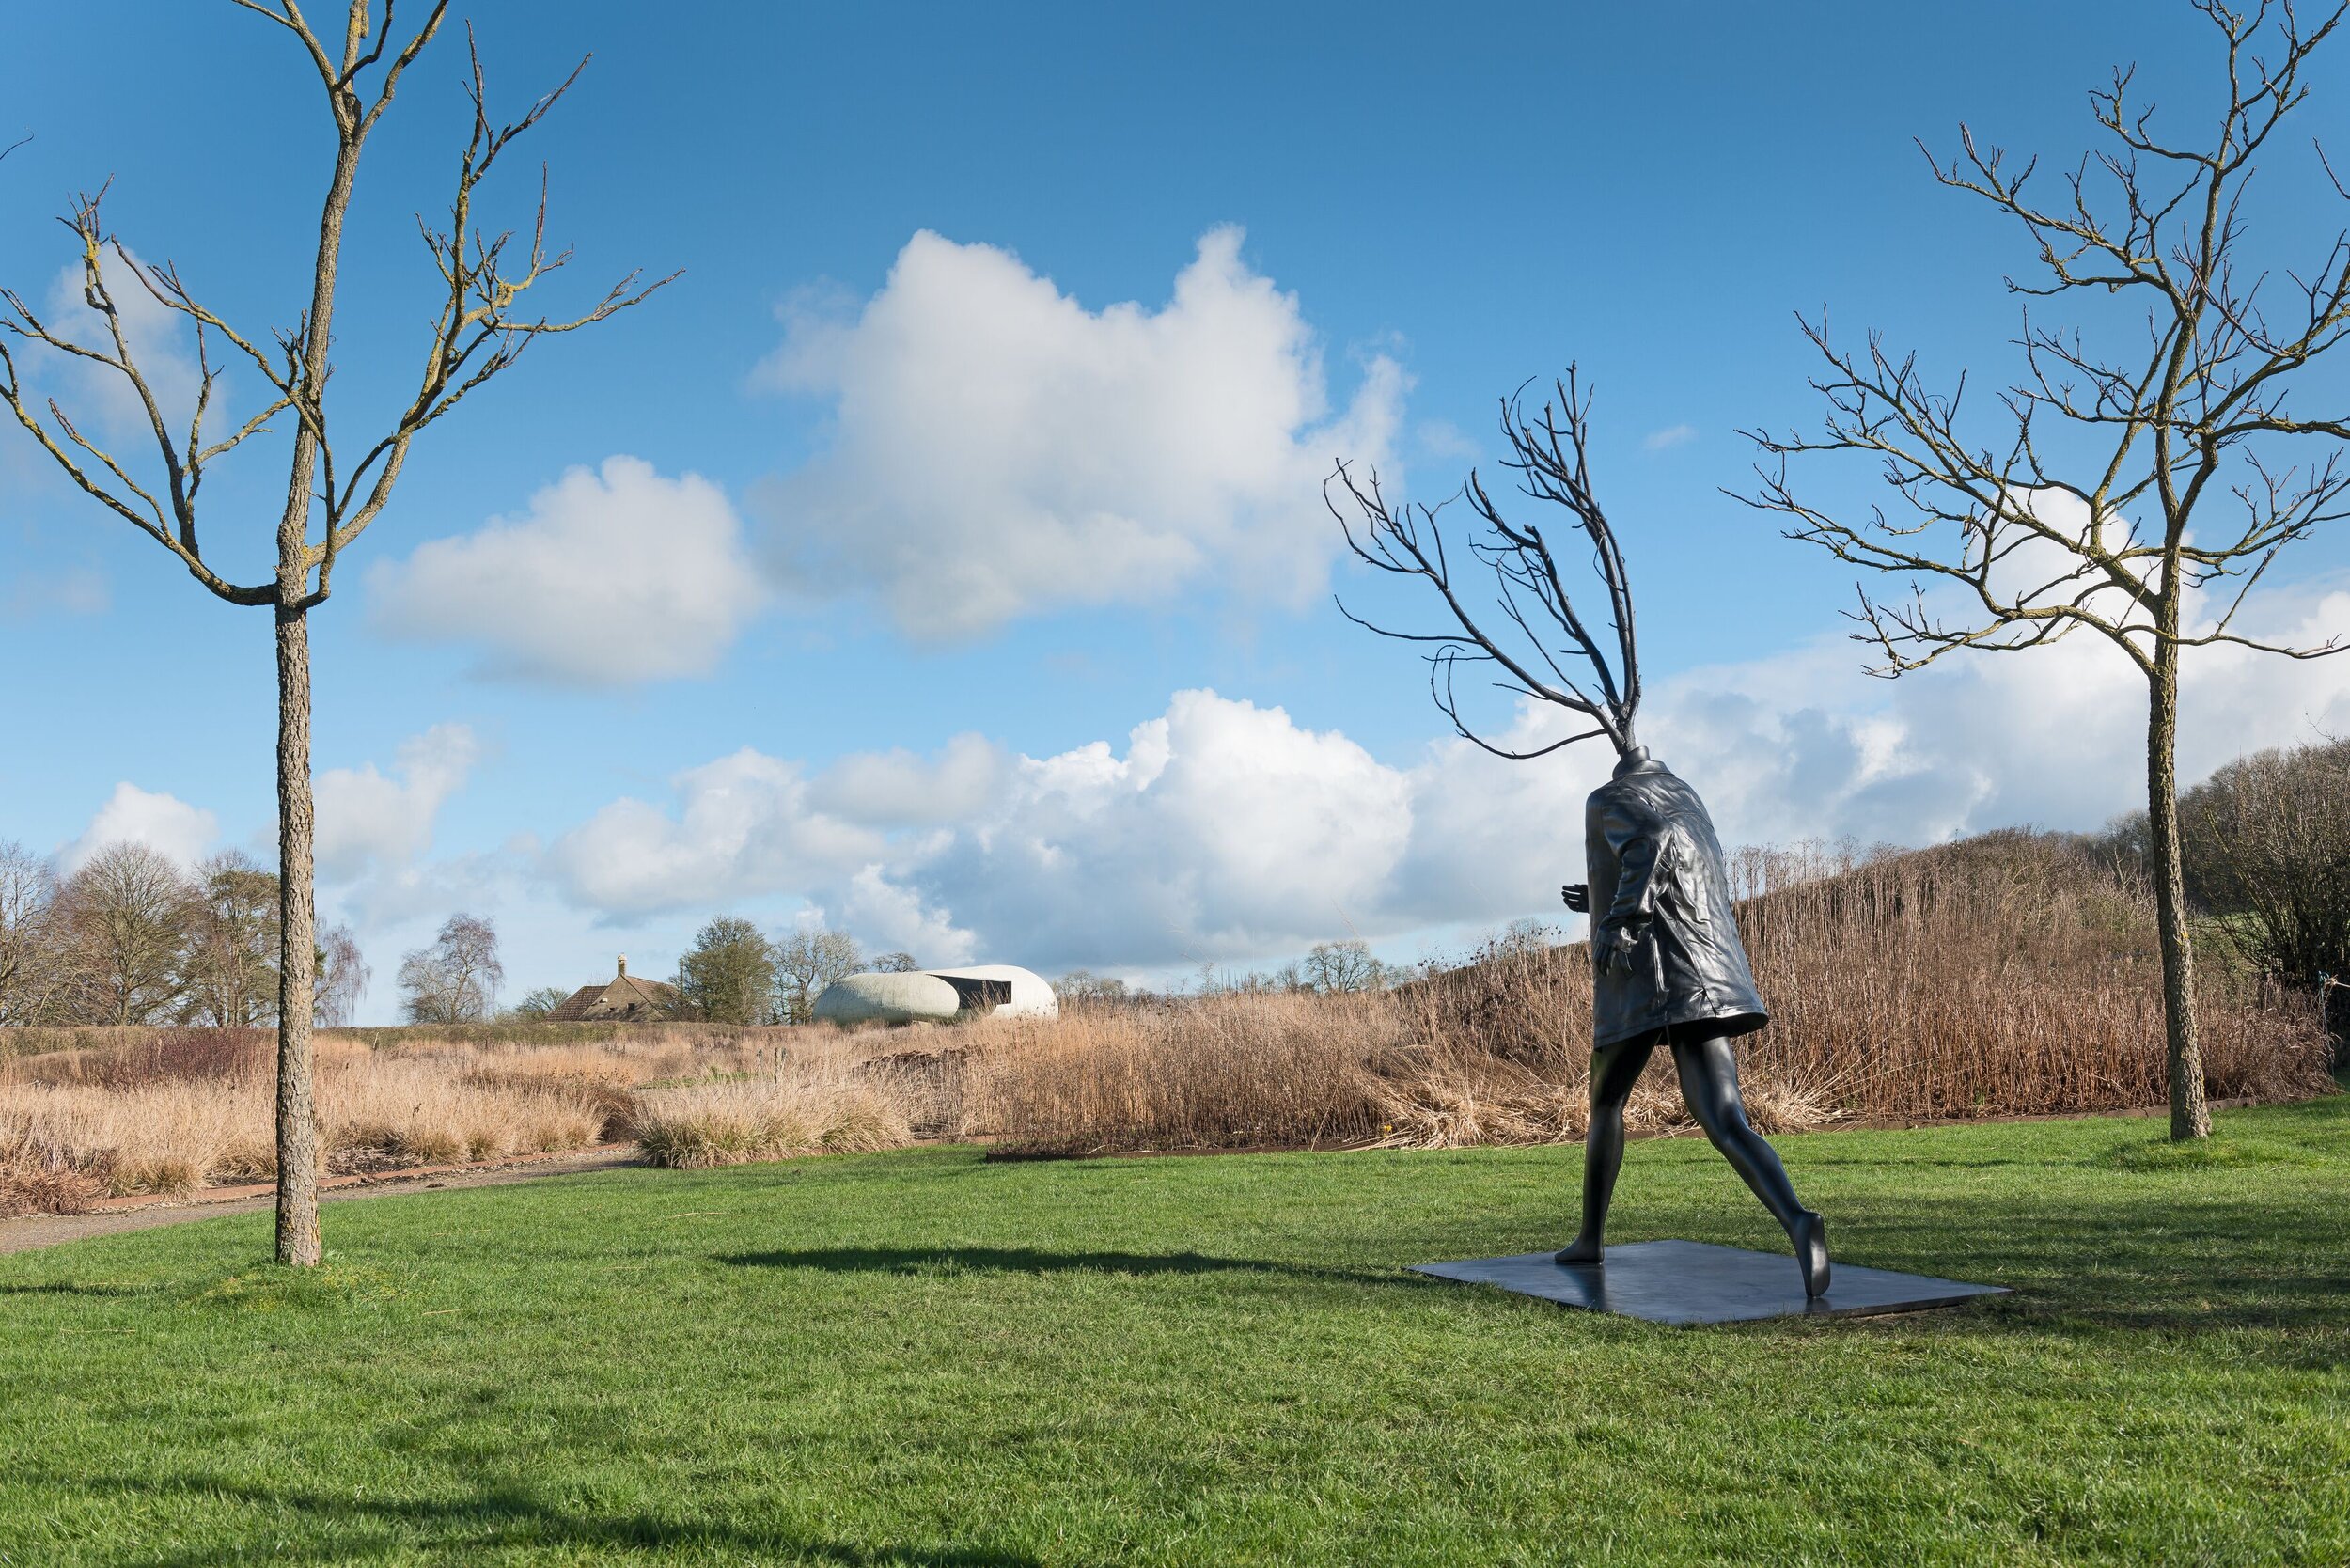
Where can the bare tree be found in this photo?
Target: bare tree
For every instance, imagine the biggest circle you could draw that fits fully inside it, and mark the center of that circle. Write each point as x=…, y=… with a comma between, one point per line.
x=456, y=980
x=334, y=488
x=343, y=976
x=805, y=963
x=232, y=951
x=2068, y=504
x=1509, y=622
x=539, y=1003
x=1081, y=986
x=127, y=916
x=897, y=964
x=33, y=972
x=1334, y=966
x=1522, y=938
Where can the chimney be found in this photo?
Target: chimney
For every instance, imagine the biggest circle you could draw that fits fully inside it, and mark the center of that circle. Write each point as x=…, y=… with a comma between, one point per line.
x=624, y=967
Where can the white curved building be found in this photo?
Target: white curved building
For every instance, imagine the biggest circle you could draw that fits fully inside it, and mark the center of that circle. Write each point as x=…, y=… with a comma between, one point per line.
x=937, y=995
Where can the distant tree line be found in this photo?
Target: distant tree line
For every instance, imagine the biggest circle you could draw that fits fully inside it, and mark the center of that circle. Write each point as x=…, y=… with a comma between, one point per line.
x=734, y=973
x=130, y=936
x=539, y=1003
x=1327, y=968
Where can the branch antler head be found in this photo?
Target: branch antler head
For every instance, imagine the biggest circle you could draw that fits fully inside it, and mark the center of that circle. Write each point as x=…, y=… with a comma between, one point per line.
x=1549, y=451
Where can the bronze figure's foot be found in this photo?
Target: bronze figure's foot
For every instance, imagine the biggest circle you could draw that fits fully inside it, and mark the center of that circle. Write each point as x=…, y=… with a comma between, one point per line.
x=1584, y=1250
x=1810, y=1239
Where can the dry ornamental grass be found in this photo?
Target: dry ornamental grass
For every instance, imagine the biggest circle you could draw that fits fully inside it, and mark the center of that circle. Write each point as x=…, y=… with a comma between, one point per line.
x=2001, y=976
x=173, y=1111
x=2004, y=975
x=700, y=1126
x=182, y=1109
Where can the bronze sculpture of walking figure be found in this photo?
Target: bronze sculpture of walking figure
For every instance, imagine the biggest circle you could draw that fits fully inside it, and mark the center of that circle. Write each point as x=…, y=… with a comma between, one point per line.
x=1667, y=965
x=1669, y=969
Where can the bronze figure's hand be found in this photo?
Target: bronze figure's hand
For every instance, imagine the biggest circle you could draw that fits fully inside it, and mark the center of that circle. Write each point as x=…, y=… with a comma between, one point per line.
x=1579, y=897
x=1619, y=945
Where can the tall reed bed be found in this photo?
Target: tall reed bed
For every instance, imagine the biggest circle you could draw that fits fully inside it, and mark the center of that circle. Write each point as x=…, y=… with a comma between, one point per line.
x=537, y=1034
x=175, y=1110
x=189, y=1108
x=2005, y=975
x=2002, y=974
x=175, y=1134
x=501, y=1035
x=1272, y=1070
x=1253, y=1069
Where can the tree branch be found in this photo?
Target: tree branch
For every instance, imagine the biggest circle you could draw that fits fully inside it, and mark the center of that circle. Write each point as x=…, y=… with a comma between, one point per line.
x=1550, y=453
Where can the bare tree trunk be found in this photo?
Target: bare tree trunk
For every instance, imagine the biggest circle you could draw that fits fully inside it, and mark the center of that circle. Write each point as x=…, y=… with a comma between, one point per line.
x=297, y=1112
x=2190, y=1116
x=297, y=900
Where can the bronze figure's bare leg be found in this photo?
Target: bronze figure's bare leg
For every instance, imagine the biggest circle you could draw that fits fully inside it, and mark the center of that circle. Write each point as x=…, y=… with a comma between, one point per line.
x=1709, y=1083
x=1614, y=1070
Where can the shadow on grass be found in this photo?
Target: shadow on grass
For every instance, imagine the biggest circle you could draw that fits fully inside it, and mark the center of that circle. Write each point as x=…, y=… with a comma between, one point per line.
x=2111, y=1265
x=493, y=1519
x=2119, y=1261
x=917, y=1260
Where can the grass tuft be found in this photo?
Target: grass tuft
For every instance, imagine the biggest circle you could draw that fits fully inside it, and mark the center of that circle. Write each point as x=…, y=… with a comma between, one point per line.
x=698, y=1127
x=2209, y=1153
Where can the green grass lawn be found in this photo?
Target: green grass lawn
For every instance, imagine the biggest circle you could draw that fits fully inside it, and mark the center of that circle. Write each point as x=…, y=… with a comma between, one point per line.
x=922, y=1359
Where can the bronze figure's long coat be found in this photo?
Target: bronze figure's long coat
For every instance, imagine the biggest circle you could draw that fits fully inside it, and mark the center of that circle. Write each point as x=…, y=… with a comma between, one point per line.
x=1656, y=872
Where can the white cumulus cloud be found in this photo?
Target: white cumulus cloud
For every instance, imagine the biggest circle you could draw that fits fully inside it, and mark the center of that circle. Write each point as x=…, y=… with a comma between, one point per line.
x=898, y=788
x=1223, y=831
x=131, y=815
x=893, y=917
x=997, y=449
x=1224, y=828
x=1802, y=744
x=745, y=825
x=614, y=576
x=369, y=821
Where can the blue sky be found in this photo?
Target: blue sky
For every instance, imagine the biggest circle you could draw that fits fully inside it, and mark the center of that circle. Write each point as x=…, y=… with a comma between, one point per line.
x=1029, y=489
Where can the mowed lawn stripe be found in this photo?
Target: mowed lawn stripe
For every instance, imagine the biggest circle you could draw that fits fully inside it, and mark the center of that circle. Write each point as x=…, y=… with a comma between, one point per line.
x=921, y=1357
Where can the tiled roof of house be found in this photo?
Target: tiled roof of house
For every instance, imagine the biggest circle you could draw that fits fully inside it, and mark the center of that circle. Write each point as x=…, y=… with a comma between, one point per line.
x=623, y=998
x=575, y=1006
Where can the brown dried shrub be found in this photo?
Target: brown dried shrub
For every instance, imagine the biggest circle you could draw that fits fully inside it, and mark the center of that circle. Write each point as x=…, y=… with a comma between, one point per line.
x=156, y=1056
x=2003, y=975
x=38, y=1177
